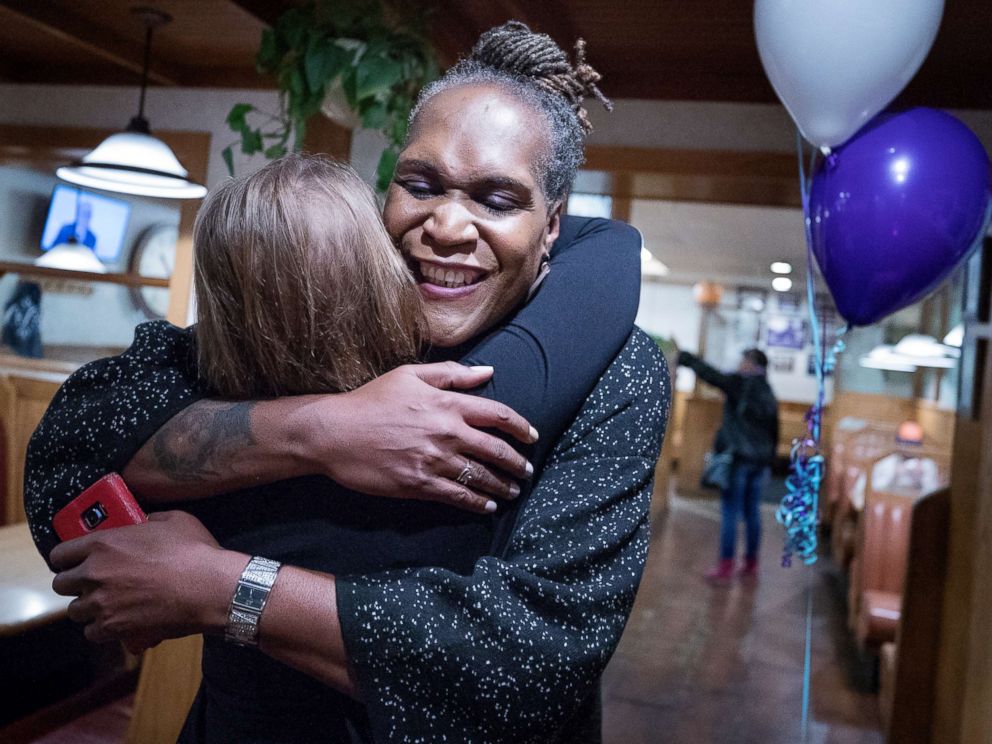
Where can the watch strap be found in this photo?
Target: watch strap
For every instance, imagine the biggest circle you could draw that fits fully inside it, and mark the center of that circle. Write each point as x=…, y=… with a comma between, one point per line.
x=250, y=597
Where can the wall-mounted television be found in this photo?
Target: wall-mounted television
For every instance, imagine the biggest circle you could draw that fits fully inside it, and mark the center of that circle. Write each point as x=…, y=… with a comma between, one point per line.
x=96, y=221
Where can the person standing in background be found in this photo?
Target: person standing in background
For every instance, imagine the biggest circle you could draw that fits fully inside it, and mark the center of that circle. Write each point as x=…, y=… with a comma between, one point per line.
x=749, y=433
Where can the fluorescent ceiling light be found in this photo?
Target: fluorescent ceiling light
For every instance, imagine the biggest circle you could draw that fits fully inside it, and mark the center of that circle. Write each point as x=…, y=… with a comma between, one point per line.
x=781, y=267
x=781, y=284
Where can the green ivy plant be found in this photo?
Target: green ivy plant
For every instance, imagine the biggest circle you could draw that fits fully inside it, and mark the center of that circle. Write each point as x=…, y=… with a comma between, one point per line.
x=379, y=62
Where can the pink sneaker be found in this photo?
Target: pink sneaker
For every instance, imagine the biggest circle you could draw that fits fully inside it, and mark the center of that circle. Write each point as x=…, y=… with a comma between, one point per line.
x=721, y=573
x=749, y=570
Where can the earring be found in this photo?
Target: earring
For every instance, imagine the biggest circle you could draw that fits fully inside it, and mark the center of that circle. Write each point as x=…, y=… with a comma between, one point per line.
x=542, y=272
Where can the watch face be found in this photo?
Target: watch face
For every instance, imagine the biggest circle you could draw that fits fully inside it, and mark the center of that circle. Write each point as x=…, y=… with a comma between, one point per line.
x=155, y=256
x=250, y=596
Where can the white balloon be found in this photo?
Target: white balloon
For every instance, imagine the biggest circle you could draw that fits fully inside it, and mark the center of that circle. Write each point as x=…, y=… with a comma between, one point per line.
x=837, y=63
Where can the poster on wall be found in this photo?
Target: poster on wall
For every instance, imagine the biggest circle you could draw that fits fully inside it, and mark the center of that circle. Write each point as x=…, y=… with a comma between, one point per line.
x=784, y=332
x=783, y=365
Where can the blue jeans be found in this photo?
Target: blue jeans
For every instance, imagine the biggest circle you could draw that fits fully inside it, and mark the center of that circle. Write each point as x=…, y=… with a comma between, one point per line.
x=743, y=497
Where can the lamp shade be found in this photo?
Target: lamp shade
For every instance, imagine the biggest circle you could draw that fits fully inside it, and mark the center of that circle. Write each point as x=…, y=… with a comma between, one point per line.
x=133, y=162
x=914, y=351
x=955, y=336
x=71, y=256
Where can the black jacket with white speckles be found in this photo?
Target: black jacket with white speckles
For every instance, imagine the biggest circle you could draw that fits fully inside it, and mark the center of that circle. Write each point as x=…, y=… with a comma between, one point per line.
x=503, y=640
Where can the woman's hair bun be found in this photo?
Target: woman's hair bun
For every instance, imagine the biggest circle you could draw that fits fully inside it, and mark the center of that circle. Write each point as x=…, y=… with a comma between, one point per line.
x=514, y=49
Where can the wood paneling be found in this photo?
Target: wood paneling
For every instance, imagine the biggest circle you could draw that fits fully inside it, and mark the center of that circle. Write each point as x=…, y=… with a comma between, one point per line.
x=45, y=272
x=170, y=676
x=69, y=29
x=653, y=49
x=705, y=50
x=963, y=704
x=956, y=630
x=700, y=423
x=723, y=177
x=24, y=396
x=871, y=407
x=326, y=137
x=193, y=150
x=101, y=41
x=919, y=622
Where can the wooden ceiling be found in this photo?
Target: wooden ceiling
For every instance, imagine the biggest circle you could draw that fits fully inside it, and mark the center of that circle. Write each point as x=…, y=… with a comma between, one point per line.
x=654, y=49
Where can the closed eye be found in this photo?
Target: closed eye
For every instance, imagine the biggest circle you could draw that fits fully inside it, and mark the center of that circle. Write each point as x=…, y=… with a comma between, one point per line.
x=501, y=202
x=497, y=206
x=418, y=188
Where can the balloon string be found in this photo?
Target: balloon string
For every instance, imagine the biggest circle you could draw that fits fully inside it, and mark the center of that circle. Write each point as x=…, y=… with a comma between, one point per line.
x=800, y=506
x=807, y=659
x=797, y=512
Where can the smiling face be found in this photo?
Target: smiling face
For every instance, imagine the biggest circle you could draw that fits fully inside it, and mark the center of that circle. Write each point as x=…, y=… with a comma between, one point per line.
x=467, y=210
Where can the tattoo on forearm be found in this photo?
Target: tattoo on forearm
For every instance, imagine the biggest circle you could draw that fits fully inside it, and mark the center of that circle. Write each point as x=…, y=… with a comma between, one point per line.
x=203, y=441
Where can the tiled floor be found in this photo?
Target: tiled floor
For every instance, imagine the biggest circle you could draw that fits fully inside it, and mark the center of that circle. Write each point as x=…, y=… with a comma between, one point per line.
x=706, y=665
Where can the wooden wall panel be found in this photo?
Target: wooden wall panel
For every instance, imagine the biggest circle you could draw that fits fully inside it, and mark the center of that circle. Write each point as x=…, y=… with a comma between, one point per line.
x=170, y=677
x=955, y=621
x=24, y=396
x=700, y=423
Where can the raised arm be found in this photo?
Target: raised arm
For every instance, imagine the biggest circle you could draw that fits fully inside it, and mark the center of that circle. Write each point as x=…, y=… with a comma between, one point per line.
x=730, y=384
x=551, y=353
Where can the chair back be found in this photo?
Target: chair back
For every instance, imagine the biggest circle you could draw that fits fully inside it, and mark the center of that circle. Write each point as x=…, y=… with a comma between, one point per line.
x=918, y=638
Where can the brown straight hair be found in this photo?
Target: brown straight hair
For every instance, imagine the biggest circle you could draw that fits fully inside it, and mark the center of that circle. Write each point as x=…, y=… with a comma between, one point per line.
x=299, y=287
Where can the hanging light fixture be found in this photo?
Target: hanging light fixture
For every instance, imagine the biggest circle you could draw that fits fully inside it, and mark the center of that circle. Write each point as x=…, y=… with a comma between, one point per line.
x=912, y=352
x=72, y=256
x=133, y=161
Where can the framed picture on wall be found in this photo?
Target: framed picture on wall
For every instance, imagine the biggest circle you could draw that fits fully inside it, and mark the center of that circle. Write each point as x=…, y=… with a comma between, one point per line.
x=784, y=332
x=781, y=364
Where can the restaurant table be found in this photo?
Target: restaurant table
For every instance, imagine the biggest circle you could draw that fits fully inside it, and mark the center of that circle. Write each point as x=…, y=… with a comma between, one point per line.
x=26, y=597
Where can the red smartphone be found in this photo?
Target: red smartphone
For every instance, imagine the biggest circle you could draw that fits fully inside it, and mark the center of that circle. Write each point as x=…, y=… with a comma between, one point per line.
x=106, y=504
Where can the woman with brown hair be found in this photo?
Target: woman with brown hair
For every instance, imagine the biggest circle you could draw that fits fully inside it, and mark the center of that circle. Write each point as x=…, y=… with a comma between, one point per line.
x=446, y=625
x=299, y=287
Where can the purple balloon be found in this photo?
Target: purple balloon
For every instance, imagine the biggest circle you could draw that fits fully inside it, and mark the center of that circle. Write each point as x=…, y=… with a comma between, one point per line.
x=895, y=209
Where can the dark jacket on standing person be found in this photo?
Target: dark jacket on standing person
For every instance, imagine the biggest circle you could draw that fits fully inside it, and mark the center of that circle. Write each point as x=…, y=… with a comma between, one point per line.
x=750, y=412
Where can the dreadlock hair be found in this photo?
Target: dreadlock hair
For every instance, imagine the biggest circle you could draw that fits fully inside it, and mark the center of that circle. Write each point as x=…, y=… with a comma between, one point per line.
x=535, y=70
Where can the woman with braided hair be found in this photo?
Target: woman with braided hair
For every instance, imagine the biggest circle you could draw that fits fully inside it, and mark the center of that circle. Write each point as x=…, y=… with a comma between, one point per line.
x=396, y=619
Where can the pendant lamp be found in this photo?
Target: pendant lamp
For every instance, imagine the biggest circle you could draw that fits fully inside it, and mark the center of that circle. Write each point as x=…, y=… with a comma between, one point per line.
x=71, y=256
x=133, y=161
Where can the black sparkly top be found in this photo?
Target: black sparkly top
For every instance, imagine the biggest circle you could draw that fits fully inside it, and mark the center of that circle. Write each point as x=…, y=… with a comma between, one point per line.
x=459, y=627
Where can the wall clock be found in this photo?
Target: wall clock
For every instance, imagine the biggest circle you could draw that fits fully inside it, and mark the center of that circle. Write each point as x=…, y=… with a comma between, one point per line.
x=154, y=256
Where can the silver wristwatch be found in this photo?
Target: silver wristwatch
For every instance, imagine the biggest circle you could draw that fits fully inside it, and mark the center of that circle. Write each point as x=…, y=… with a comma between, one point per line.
x=249, y=600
